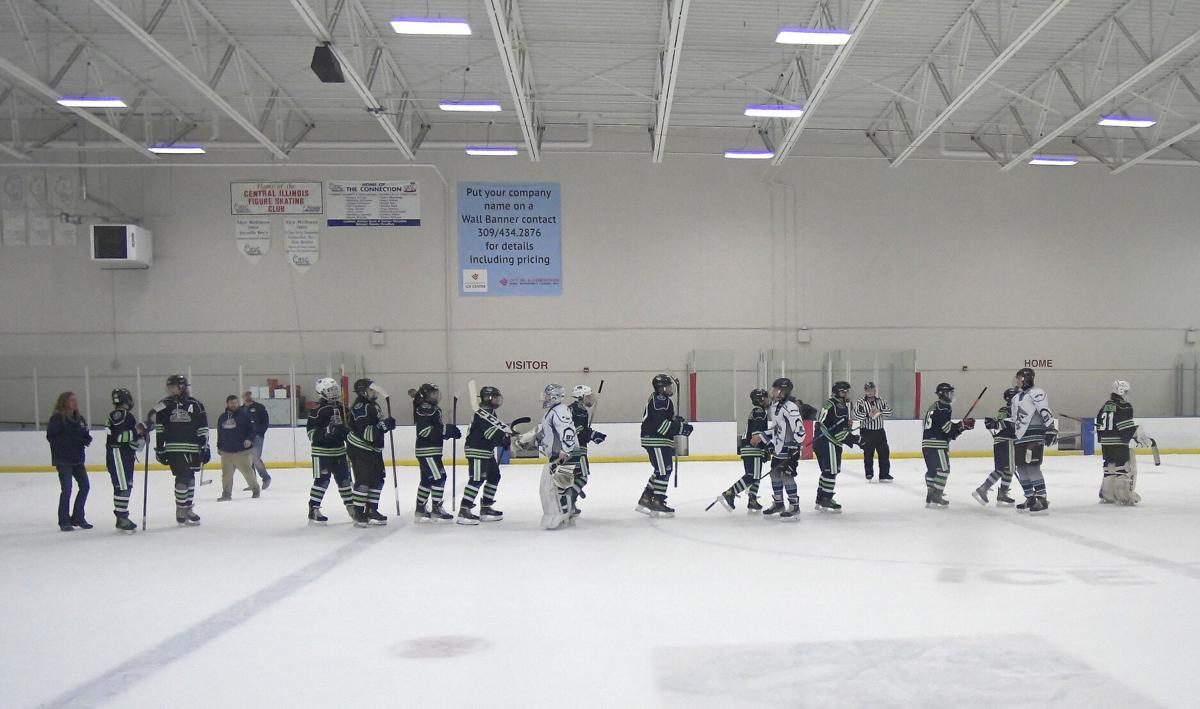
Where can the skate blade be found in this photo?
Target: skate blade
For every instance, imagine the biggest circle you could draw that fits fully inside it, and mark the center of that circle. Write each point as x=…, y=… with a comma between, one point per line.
x=362, y=525
x=316, y=523
x=126, y=531
x=438, y=520
x=468, y=522
x=1004, y=504
x=980, y=498
x=793, y=518
x=754, y=512
x=827, y=510
x=377, y=523
x=886, y=481
x=1040, y=513
x=935, y=506
x=421, y=519
x=644, y=510
x=664, y=515
x=491, y=519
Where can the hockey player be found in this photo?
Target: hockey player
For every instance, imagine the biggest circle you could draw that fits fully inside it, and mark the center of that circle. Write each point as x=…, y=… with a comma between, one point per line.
x=784, y=437
x=367, y=426
x=431, y=433
x=1003, y=454
x=125, y=438
x=939, y=430
x=555, y=437
x=833, y=432
x=581, y=410
x=487, y=433
x=660, y=425
x=1035, y=428
x=1116, y=429
x=752, y=455
x=181, y=444
x=327, y=432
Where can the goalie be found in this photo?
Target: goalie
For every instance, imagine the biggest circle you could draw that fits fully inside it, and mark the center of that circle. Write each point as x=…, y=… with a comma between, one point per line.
x=555, y=438
x=1117, y=431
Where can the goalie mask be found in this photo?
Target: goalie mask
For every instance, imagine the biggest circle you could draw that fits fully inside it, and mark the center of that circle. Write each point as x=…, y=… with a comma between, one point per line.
x=328, y=389
x=553, y=395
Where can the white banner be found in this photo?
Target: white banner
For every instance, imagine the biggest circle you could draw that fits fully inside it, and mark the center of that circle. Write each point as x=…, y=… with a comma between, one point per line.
x=14, y=226
x=12, y=209
x=253, y=235
x=372, y=204
x=275, y=198
x=302, y=241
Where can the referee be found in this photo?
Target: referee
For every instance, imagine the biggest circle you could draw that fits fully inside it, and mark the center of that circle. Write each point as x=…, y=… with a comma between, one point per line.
x=871, y=410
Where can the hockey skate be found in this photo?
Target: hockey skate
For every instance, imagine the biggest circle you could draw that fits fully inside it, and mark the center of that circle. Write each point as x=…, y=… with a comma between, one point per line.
x=184, y=517
x=352, y=510
x=315, y=517
x=791, y=514
x=646, y=503
x=775, y=508
x=935, y=500
x=825, y=503
x=466, y=516
x=885, y=478
x=1038, y=506
x=373, y=517
x=126, y=525
x=1024, y=506
x=752, y=506
x=439, y=516
x=661, y=507
x=981, y=495
x=728, y=500
x=420, y=515
x=1003, y=499
x=487, y=513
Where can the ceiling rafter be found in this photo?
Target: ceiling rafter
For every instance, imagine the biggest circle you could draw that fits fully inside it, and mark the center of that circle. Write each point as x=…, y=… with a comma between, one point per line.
x=518, y=70
x=674, y=23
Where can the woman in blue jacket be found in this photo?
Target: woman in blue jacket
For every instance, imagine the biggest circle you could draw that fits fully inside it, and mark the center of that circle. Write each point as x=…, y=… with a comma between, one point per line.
x=68, y=434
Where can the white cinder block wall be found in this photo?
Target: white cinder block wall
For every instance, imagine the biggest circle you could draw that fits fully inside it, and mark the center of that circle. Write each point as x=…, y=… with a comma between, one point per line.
x=971, y=267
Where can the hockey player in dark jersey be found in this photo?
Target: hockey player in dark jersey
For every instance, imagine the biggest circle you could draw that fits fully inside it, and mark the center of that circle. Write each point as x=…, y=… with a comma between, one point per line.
x=124, y=439
x=833, y=432
x=487, y=433
x=581, y=410
x=366, y=437
x=181, y=444
x=939, y=430
x=431, y=433
x=660, y=425
x=327, y=431
x=1116, y=429
x=752, y=455
x=1003, y=455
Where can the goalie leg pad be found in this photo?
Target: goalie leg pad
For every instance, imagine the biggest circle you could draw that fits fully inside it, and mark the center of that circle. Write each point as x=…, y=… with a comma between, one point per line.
x=556, y=502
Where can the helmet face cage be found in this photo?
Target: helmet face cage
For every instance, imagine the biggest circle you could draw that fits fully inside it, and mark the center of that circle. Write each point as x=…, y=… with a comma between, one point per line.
x=581, y=390
x=661, y=382
x=781, y=388
x=178, y=380
x=1009, y=393
x=553, y=395
x=122, y=397
x=1023, y=378
x=945, y=392
x=840, y=389
x=328, y=389
x=490, y=397
x=362, y=387
x=758, y=397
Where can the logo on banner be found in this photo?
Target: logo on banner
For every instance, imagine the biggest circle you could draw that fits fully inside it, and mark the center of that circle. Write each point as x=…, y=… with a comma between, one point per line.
x=475, y=280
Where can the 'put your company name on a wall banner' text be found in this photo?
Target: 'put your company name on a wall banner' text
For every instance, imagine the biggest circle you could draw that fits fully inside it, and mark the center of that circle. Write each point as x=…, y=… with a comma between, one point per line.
x=510, y=238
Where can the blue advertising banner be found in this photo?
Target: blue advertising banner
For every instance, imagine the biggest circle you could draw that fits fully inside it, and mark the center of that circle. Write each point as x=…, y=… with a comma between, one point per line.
x=509, y=238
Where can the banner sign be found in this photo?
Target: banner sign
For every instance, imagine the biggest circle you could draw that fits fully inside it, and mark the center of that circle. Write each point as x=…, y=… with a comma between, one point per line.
x=510, y=238
x=302, y=240
x=276, y=198
x=372, y=204
x=253, y=236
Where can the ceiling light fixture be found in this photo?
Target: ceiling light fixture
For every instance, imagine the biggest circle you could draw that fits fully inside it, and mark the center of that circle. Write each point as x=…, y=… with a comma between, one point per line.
x=177, y=149
x=1126, y=122
x=484, y=150
x=775, y=111
x=92, y=102
x=805, y=35
x=1052, y=160
x=431, y=26
x=749, y=154
x=470, y=106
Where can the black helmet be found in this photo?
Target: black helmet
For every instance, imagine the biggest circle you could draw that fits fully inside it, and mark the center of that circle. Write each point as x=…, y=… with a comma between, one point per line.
x=840, y=387
x=488, y=397
x=177, y=380
x=122, y=397
x=945, y=392
x=758, y=397
x=1009, y=393
x=783, y=384
x=361, y=386
x=425, y=390
x=661, y=381
x=1025, y=374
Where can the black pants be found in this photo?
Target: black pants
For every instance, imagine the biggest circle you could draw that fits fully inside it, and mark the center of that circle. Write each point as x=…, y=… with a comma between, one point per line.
x=872, y=442
x=66, y=515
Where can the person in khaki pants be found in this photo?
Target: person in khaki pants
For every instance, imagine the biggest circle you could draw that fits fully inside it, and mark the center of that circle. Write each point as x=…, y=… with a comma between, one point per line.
x=235, y=442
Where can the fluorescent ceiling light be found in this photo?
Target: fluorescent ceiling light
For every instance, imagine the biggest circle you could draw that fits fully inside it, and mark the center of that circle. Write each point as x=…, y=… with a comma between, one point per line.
x=805, y=35
x=430, y=26
x=775, y=111
x=482, y=150
x=92, y=102
x=1127, y=122
x=177, y=150
x=1051, y=160
x=469, y=105
x=749, y=154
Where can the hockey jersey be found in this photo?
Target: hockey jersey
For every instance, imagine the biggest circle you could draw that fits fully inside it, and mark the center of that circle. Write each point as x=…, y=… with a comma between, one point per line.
x=785, y=429
x=366, y=426
x=327, y=430
x=756, y=422
x=1002, y=430
x=659, y=426
x=1031, y=416
x=556, y=433
x=833, y=421
x=121, y=430
x=180, y=425
x=430, y=429
x=485, y=436
x=1114, y=424
x=583, y=434
x=939, y=430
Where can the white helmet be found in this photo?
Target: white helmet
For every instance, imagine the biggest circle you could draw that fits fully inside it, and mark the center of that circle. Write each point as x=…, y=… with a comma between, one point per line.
x=553, y=395
x=328, y=388
x=1120, y=387
x=581, y=390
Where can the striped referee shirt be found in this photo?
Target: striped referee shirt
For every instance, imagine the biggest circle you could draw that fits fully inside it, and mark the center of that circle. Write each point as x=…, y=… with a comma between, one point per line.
x=862, y=412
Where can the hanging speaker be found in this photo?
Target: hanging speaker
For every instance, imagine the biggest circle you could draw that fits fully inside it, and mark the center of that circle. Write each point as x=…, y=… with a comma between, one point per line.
x=326, y=66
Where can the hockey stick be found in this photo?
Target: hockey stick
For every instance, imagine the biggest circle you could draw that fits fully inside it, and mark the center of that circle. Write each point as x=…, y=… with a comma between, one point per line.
x=977, y=400
x=392, y=442
x=203, y=482
x=146, y=480
x=592, y=411
x=1154, y=452
x=454, y=454
x=674, y=451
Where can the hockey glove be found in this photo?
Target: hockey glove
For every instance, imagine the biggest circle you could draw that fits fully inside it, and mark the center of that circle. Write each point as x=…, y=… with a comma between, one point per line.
x=1051, y=436
x=852, y=440
x=1142, y=438
x=160, y=456
x=598, y=437
x=968, y=424
x=389, y=424
x=205, y=455
x=686, y=429
x=990, y=423
x=562, y=475
x=452, y=431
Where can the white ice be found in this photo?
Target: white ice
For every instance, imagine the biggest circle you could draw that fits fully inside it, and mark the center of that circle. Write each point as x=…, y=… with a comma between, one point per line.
x=886, y=605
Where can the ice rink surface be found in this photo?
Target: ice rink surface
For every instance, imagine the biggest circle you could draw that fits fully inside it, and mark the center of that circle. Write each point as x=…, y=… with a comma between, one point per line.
x=886, y=605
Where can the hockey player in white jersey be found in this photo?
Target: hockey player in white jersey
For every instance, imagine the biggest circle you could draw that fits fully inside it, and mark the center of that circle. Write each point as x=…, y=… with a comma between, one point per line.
x=555, y=438
x=784, y=437
x=1035, y=428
